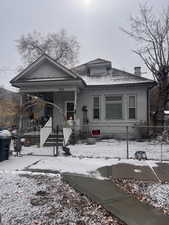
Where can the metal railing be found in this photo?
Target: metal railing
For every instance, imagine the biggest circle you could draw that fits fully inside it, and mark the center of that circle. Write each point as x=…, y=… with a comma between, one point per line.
x=45, y=132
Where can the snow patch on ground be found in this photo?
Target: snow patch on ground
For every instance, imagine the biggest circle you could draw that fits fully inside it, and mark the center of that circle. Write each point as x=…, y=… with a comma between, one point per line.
x=29, y=199
x=109, y=148
x=83, y=166
x=159, y=193
x=15, y=207
x=18, y=163
x=112, y=148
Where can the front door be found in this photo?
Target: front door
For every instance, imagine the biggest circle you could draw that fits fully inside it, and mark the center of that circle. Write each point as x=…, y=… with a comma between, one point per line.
x=69, y=110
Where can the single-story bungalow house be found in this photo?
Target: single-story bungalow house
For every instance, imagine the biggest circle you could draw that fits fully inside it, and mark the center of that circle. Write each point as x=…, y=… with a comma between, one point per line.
x=93, y=95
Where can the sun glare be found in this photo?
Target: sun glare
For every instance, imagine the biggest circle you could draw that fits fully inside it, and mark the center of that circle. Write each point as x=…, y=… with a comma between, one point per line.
x=87, y=2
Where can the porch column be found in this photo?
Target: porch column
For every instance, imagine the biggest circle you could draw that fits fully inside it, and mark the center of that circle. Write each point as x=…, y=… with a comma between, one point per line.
x=20, y=113
x=75, y=103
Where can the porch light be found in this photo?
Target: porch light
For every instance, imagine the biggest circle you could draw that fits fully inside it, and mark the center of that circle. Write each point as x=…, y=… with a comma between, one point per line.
x=84, y=108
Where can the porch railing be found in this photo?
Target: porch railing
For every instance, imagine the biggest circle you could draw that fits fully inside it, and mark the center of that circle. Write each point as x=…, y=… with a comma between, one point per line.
x=29, y=125
x=45, y=132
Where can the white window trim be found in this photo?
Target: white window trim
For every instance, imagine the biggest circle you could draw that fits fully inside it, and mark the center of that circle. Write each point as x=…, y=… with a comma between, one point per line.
x=122, y=101
x=94, y=96
x=132, y=95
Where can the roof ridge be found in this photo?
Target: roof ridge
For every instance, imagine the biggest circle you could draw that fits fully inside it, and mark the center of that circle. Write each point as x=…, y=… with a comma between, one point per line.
x=84, y=64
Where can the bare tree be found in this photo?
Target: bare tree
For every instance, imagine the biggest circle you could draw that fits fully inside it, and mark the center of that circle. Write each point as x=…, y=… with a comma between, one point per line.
x=151, y=31
x=61, y=47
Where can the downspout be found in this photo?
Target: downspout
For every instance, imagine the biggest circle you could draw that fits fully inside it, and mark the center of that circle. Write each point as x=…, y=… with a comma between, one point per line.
x=20, y=114
x=75, y=104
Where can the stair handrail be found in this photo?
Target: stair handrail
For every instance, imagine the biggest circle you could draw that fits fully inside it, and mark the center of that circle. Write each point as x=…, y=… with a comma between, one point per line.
x=45, y=132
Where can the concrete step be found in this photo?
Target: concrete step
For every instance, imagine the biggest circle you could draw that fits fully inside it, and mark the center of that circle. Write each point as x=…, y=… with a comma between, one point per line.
x=49, y=144
x=55, y=138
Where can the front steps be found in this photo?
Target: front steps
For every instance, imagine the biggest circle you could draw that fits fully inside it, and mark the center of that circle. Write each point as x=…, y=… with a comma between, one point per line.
x=55, y=139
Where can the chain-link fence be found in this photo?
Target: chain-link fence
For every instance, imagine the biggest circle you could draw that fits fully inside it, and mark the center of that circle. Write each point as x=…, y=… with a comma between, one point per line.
x=128, y=141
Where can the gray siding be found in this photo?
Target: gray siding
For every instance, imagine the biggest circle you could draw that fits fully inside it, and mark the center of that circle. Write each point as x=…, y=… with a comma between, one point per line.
x=108, y=126
x=85, y=97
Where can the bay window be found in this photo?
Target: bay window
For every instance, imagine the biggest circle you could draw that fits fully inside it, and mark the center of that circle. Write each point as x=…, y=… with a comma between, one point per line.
x=113, y=107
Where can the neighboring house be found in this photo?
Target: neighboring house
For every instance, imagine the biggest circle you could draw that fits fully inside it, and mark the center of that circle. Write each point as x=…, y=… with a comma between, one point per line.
x=93, y=94
x=9, y=108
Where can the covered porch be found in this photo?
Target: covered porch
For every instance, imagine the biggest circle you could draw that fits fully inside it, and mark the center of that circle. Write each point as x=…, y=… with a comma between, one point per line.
x=59, y=106
x=56, y=87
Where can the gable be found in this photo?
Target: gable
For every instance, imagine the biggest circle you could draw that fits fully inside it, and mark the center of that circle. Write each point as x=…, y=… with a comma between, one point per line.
x=46, y=70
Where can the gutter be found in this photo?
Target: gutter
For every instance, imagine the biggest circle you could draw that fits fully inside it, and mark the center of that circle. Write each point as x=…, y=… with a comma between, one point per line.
x=145, y=84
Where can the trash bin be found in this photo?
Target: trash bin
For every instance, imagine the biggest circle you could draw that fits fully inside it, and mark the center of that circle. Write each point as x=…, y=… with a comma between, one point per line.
x=5, y=140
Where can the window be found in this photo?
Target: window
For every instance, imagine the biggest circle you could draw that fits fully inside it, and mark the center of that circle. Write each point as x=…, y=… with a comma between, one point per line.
x=96, y=108
x=132, y=107
x=70, y=110
x=113, y=107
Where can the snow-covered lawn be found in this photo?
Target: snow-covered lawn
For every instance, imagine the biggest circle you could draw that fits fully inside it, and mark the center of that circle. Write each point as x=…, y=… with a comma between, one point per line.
x=85, y=160
x=118, y=149
x=109, y=149
x=29, y=199
x=85, y=166
x=18, y=163
x=159, y=195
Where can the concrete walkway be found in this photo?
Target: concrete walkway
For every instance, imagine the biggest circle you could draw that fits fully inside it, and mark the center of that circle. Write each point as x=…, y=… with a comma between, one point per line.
x=120, y=204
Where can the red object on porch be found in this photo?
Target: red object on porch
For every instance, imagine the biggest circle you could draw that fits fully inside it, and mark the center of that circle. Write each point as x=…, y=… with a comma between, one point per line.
x=95, y=132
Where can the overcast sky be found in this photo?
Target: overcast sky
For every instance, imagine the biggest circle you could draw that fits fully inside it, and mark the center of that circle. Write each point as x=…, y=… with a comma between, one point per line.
x=95, y=23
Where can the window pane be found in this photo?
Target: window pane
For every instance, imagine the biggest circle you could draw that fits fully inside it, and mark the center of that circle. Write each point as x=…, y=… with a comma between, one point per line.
x=131, y=101
x=132, y=113
x=113, y=98
x=114, y=111
x=96, y=102
x=96, y=108
x=70, y=106
x=96, y=114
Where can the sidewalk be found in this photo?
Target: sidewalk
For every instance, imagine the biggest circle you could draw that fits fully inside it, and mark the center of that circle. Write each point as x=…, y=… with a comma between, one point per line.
x=120, y=204
x=147, y=173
